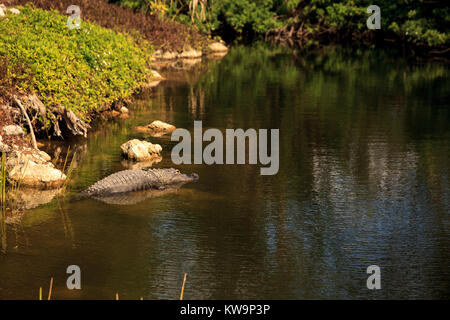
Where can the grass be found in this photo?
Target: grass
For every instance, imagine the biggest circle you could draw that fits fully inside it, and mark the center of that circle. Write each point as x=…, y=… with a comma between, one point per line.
x=83, y=70
x=69, y=171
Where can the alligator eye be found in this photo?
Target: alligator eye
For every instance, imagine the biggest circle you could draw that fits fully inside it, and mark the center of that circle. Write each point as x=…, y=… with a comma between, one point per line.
x=177, y=171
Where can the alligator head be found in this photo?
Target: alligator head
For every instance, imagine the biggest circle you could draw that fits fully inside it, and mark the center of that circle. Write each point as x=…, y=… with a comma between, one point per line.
x=172, y=176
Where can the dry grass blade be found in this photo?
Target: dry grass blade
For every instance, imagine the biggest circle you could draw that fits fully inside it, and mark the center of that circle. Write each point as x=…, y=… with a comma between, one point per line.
x=182, y=288
x=50, y=289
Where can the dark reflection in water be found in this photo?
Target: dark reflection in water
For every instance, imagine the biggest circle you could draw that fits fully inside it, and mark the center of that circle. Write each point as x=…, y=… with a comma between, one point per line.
x=363, y=180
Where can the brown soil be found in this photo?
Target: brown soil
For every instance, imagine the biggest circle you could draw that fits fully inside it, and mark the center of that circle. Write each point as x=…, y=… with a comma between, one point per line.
x=162, y=34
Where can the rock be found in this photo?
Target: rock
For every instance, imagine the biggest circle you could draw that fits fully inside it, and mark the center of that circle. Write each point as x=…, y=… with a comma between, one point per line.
x=218, y=47
x=189, y=53
x=13, y=130
x=37, y=175
x=157, y=54
x=156, y=76
x=140, y=150
x=33, y=169
x=156, y=128
x=2, y=11
x=169, y=55
x=4, y=147
x=151, y=84
x=124, y=110
x=27, y=155
x=160, y=128
x=14, y=11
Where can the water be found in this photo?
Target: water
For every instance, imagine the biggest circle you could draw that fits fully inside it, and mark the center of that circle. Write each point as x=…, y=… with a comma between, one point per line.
x=363, y=180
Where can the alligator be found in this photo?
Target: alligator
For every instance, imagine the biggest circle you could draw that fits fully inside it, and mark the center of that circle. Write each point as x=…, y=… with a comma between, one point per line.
x=137, y=180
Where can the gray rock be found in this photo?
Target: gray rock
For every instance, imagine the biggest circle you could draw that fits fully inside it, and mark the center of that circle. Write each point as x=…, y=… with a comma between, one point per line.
x=13, y=130
x=37, y=175
x=33, y=169
x=140, y=150
x=25, y=155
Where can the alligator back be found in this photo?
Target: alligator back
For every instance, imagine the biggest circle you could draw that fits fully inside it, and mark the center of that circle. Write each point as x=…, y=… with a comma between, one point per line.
x=124, y=181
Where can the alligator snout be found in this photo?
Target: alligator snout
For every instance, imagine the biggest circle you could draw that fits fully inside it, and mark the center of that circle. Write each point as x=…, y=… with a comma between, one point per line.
x=193, y=176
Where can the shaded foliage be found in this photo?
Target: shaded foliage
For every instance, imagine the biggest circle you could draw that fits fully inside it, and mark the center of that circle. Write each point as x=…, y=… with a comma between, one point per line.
x=418, y=22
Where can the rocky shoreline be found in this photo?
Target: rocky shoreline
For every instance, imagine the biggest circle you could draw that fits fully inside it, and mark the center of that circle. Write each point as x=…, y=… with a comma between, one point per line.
x=33, y=168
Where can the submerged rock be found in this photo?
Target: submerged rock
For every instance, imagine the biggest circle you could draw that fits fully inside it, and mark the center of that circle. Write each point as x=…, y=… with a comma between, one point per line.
x=28, y=198
x=140, y=150
x=13, y=130
x=157, y=128
x=132, y=165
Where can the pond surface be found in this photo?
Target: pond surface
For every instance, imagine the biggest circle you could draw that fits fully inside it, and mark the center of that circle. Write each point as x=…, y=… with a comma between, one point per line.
x=363, y=180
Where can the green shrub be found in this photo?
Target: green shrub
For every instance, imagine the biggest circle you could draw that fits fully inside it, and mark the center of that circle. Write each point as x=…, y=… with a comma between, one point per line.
x=81, y=69
x=417, y=21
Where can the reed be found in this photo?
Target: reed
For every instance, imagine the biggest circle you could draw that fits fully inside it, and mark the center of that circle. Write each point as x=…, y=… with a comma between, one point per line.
x=182, y=288
x=50, y=289
x=65, y=160
x=16, y=185
x=69, y=172
x=3, y=181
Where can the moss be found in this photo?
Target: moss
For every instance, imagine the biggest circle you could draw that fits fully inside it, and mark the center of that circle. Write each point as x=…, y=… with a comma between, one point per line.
x=82, y=69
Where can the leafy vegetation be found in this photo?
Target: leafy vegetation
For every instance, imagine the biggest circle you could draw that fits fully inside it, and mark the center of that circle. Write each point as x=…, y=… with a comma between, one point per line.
x=159, y=32
x=83, y=69
x=420, y=22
